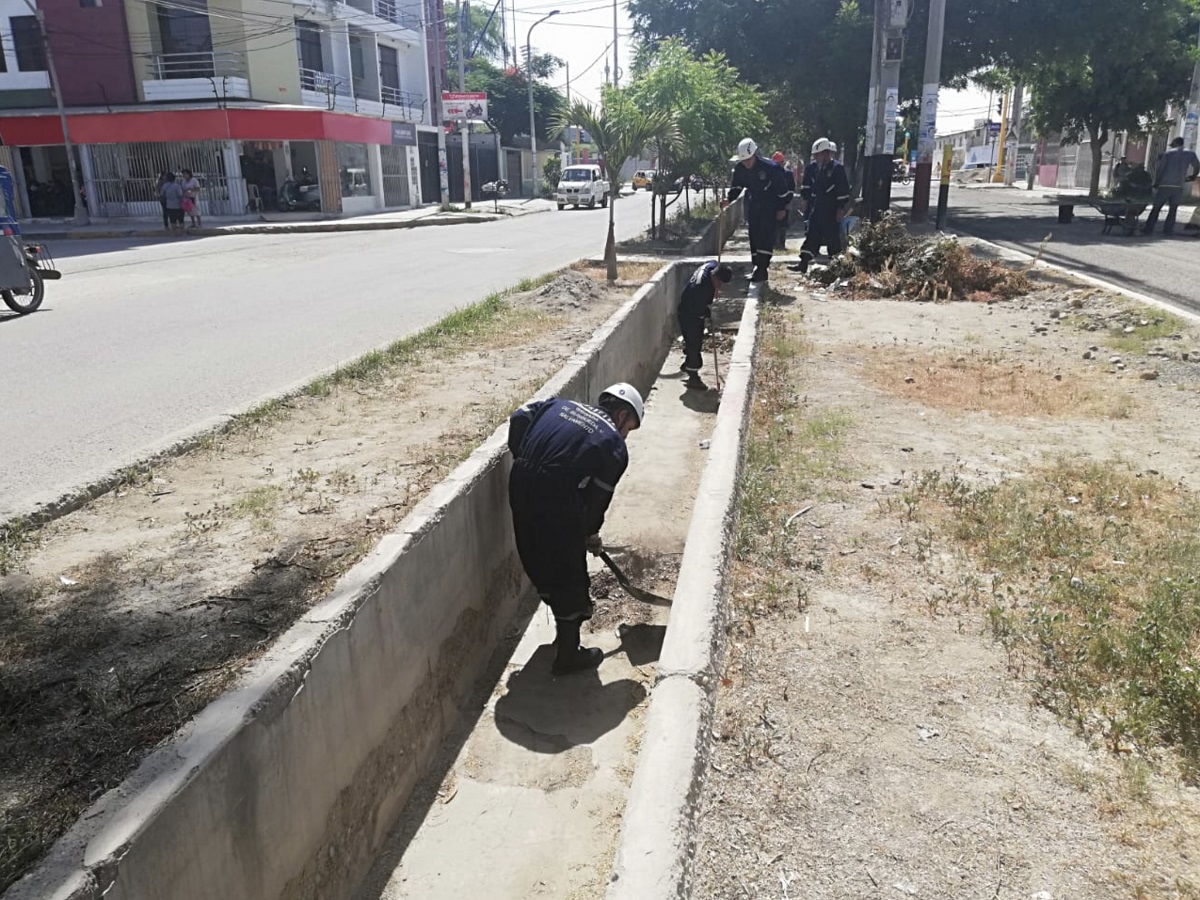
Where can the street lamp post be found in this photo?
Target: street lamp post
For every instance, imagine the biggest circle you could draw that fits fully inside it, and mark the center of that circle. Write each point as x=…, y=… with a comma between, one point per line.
x=529, y=75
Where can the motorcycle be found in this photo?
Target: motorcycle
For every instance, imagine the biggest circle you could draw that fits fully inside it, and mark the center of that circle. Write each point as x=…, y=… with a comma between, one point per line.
x=901, y=174
x=24, y=268
x=298, y=196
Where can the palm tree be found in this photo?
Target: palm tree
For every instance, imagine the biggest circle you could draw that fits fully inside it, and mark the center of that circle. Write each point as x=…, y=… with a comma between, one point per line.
x=619, y=131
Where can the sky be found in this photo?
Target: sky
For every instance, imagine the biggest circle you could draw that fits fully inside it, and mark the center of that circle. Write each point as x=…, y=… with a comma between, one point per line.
x=582, y=34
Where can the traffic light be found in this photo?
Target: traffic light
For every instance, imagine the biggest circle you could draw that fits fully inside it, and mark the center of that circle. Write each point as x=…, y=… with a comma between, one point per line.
x=1000, y=106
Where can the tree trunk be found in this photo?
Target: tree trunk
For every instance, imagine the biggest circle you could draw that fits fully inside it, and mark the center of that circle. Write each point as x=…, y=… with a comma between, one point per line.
x=653, y=226
x=1098, y=137
x=610, y=247
x=662, y=215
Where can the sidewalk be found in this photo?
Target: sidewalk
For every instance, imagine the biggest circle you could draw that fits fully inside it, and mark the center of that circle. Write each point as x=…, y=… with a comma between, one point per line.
x=294, y=223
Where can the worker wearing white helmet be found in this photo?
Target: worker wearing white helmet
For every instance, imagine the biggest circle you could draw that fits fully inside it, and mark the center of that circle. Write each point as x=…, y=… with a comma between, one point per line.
x=567, y=460
x=767, y=198
x=825, y=198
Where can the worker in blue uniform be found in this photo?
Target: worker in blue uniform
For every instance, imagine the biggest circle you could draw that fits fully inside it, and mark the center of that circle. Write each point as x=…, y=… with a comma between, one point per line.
x=829, y=200
x=767, y=199
x=695, y=308
x=567, y=460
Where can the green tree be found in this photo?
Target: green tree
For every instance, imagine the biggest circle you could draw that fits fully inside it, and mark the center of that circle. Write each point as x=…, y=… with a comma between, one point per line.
x=508, y=98
x=1121, y=83
x=713, y=109
x=618, y=130
x=479, y=31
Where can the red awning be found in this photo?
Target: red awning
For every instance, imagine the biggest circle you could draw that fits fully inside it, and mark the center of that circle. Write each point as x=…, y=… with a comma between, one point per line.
x=168, y=125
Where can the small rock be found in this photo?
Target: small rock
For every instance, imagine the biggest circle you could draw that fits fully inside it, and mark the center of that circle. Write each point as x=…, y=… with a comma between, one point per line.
x=1055, y=314
x=868, y=485
x=1129, y=329
x=1121, y=367
x=1087, y=354
x=1114, y=360
x=704, y=445
x=908, y=379
x=1185, y=355
x=1077, y=582
x=1148, y=375
x=1094, y=348
x=1076, y=303
x=1040, y=329
x=1143, y=322
x=1058, y=377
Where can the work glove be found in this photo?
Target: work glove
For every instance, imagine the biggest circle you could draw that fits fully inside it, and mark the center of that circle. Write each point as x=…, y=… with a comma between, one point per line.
x=594, y=544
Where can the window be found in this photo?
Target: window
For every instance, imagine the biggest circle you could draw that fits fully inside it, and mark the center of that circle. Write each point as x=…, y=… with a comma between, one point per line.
x=27, y=40
x=308, y=39
x=389, y=67
x=89, y=4
x=354, y=170
x=357, y=69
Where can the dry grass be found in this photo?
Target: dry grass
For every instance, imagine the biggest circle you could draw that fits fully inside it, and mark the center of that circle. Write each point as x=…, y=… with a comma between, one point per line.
x=1087, y=571
x=627, y=272
x=987, y=382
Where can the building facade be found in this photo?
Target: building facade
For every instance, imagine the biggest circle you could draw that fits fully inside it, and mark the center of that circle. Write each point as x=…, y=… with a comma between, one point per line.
x=249, y=95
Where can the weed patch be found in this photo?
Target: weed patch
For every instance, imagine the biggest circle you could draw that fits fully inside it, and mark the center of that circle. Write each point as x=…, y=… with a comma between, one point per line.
x=1094, y=593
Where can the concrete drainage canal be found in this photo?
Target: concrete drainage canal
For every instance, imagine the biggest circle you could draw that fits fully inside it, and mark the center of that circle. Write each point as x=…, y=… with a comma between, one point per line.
x=406, y=738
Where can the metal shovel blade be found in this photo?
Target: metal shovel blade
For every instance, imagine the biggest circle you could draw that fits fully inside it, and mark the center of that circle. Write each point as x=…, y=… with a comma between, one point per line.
x=635, y=592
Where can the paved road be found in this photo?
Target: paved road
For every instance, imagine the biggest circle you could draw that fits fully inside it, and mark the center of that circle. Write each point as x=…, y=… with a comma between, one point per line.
x=139, y=344
x=1162, y=267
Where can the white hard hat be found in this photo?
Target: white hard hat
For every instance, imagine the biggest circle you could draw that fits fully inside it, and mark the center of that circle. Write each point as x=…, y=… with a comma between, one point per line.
x=820, y=145
x=832, y=147
x=747, y=148
x=628, y=393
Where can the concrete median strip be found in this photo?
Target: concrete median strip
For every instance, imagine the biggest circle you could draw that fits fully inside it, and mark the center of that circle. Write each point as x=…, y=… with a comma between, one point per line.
x=287, y=786
x=653, y=859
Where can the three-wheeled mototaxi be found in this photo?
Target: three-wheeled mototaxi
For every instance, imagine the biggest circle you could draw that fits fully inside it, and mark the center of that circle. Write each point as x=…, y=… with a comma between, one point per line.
x=24, y=268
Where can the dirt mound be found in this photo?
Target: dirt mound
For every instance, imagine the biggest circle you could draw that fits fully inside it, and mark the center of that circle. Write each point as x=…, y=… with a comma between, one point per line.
x=569, y=291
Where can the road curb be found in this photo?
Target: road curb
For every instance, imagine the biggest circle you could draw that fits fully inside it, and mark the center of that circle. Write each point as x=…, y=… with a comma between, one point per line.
x=655, y=853
x=320, y=227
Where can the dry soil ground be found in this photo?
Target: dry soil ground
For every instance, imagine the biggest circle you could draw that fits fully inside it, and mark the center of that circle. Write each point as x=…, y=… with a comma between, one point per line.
x=883, y=727
x=121, y=620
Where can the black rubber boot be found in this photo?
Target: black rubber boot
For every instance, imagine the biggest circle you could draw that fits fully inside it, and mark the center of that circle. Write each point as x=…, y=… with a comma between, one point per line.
x=570, y=657
x=694, y=383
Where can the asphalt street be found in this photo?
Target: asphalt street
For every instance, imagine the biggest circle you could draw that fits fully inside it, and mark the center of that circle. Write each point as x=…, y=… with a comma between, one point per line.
x=1161, y=267
x=141, y=343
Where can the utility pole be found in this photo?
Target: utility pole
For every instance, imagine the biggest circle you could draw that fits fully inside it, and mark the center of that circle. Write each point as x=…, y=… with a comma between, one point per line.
x=436, y=106
x=81, y=213
x=891, y=17
x=616, y=64
x=929, y=104
x=463, y=17
x=1192, y=120
x=1014, y=135
x=998, y=172
x=532, y=124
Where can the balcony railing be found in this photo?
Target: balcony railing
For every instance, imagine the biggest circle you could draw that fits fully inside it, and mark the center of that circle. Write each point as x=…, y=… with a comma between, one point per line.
x=413, y=104
x=200, y=65
x=324, y=82
x=389, y=10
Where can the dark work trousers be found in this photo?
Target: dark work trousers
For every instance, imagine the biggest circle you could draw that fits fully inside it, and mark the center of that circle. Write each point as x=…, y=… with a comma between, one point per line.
x=781, y=229
x=823, y=229
x=1164, y=195
x=691, y=326
x=166, y=219
x=762, y=236
x=548, y=520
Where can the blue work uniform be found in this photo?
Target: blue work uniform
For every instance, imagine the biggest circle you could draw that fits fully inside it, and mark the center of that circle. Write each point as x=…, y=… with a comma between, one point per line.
x=830, y=193
x=567, y=460
x=767, y=193
x=781, y=226
x=806, y=188
x=695, y=305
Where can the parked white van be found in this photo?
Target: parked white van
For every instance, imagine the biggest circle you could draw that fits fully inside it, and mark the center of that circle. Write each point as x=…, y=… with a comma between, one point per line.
x=582, y=185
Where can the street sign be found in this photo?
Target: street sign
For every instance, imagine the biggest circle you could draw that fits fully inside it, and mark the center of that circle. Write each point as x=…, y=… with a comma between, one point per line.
x=464, y=105
x=993, y=127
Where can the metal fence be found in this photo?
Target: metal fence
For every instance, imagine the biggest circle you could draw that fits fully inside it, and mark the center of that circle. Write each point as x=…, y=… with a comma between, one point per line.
x=412, y=104
x=390, y=10
x=125, y=176
x=395, y=176
x=200, y=65
x=324, y=82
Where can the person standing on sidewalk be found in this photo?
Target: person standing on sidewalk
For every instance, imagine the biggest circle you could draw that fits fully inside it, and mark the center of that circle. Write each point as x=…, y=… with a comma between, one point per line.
x=1174, y=168
x=567, y=460
x=695, y=308
x=191, y=197
x=767, y=196
x=172, y=194
x=782, y=226
x=163, y=178
x=830, y=196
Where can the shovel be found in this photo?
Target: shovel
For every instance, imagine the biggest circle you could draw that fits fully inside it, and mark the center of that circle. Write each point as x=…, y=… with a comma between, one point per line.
x=635, y=592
